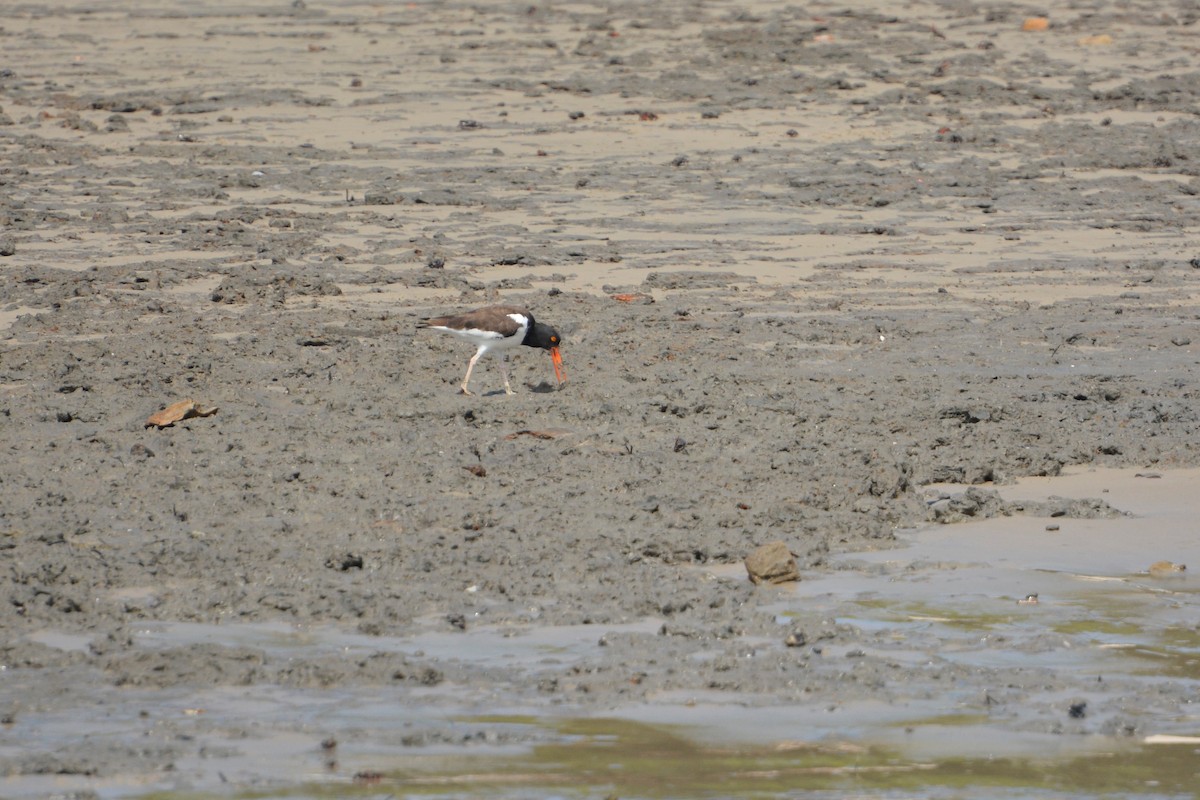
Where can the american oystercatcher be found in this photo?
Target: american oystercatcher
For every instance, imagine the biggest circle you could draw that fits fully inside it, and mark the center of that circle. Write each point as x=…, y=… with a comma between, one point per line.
x=499, y=329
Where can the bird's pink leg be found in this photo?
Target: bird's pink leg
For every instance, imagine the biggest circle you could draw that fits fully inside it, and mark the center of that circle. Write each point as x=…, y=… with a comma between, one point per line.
x=504, y=372
x=470, y=366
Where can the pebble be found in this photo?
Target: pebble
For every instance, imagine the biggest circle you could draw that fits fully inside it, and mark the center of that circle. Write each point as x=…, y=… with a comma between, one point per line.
x=772, y=563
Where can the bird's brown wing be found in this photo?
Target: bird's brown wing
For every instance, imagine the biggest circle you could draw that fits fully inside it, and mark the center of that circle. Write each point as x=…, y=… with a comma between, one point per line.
x=494, y=318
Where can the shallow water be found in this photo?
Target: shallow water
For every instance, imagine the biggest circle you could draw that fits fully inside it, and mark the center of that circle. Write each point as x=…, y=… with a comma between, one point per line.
x=531, y=649
x=949, y=596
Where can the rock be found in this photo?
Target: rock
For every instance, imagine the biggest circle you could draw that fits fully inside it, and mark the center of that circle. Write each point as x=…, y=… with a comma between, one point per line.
x=1166, y=569
x=772, y=563
x=344, y=562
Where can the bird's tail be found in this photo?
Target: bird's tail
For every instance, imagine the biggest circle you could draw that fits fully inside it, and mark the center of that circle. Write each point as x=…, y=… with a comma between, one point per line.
x=432, y=322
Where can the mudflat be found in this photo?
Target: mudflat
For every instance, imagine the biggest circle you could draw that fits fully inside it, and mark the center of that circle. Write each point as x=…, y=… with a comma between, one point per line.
x=832, y=274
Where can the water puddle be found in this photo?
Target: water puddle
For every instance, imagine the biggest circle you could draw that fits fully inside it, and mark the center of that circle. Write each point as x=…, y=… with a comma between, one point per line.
x=1106, y=595
x=621, y=758
x=960, y=597
x=606, y=757
x=532, y=648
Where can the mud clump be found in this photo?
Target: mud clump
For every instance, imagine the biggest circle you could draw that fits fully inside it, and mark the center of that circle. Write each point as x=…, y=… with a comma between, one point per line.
x=772, y=563
x=977, y=503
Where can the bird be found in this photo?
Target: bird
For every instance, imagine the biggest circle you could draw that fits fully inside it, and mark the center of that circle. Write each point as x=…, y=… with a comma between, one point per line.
x=499, y=329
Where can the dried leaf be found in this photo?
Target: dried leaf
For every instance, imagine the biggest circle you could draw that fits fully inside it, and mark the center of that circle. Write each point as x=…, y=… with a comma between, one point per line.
x=1035, y=24
x=184, y=409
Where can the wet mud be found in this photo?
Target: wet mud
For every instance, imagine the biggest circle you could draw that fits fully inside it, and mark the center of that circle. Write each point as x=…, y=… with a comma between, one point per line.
x=825, y=274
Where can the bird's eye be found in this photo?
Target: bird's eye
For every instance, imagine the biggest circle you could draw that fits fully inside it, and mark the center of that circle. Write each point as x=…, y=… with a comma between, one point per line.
x=554, y=338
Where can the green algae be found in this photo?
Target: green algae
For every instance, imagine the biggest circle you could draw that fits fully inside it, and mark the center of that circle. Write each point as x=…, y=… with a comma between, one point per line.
x=958, y=616
x=613, y=757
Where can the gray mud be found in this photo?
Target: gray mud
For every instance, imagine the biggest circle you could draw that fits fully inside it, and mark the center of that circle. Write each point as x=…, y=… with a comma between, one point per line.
x=866, y=252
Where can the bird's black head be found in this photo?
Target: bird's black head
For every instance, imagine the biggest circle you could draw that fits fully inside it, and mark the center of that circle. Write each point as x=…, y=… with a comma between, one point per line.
x=545, y=337
x=542, y=335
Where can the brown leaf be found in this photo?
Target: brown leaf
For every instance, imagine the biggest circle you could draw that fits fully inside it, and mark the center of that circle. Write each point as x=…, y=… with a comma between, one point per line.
x=477, y=470
x=184, y=409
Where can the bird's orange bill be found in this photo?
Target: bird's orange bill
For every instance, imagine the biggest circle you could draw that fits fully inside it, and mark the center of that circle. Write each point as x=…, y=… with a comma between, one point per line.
x=556, y=357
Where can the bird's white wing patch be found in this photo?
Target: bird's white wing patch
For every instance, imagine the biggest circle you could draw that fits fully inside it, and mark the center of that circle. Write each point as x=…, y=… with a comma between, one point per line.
x=518, y=335
x=474, y=334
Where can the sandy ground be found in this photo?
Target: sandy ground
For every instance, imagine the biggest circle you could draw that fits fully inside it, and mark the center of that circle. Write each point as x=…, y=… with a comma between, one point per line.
x=867, y=259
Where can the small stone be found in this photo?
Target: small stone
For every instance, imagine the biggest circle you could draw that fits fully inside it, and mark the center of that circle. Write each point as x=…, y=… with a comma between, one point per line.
x=772, y=563
x=345, y=562
x=1166, y=569
x=796, y=639
x=8, y=246
x=116, y=124
x=140, y=450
